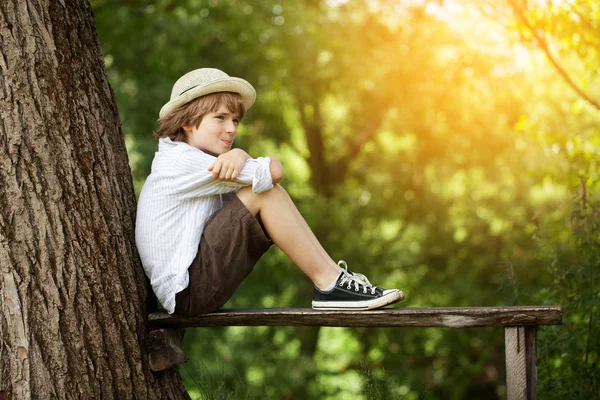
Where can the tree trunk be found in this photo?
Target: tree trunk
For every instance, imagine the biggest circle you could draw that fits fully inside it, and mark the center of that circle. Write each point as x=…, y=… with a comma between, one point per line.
x=72, y=289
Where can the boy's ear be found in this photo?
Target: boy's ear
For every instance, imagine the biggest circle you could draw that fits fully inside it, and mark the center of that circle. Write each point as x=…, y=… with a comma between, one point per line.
x=187, y=128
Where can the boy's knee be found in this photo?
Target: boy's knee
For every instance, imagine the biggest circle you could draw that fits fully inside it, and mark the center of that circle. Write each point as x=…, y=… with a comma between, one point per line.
x=247, y=190
x=254, y=200
x=278, y=190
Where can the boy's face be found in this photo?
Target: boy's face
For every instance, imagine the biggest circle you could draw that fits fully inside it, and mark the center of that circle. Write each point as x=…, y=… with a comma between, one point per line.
x=216, y=132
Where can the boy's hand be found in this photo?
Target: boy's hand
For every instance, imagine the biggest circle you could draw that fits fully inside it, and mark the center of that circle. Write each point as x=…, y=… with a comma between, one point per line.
x=228, y=165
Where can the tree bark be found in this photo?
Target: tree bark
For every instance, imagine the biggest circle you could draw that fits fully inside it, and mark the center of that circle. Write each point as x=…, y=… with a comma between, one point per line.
x=72, y=290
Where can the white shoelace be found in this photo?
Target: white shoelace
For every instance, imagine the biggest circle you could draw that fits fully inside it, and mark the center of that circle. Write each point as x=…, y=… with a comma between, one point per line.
x=358, y=280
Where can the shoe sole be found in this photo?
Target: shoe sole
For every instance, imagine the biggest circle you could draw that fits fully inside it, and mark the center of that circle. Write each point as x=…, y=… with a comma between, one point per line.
x=383, y=301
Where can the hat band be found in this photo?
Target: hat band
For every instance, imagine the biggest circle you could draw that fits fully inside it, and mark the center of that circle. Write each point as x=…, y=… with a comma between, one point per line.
x=188, y=89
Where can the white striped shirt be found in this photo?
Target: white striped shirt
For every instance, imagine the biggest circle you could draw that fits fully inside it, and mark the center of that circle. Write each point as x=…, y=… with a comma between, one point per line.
x=179, y=196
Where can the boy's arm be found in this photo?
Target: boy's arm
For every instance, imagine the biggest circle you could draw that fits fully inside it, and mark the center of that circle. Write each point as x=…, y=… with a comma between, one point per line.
x=193, y=178
x=276, y=170
x=229, y=165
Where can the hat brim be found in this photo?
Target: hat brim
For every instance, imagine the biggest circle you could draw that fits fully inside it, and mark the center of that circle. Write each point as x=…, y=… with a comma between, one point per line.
x=230, y=84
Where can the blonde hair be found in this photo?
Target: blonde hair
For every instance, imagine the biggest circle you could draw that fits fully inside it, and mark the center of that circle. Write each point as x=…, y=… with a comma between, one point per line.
x=191, y=114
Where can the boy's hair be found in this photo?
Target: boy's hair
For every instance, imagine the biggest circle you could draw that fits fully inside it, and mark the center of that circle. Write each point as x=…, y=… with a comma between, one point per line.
x=192, y=113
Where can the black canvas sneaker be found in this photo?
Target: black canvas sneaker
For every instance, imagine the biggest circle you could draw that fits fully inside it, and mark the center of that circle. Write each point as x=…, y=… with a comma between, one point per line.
x=353, y=291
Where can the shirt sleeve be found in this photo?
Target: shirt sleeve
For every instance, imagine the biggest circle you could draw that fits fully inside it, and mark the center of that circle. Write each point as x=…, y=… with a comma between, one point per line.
x=193, y=179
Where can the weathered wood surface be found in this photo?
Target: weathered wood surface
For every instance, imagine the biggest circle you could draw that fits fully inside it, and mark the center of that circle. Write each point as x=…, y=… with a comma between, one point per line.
x=521, y=363
x=448, y=317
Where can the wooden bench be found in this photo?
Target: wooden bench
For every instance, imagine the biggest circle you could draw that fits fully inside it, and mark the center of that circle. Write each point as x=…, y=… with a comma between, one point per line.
x=520, y=325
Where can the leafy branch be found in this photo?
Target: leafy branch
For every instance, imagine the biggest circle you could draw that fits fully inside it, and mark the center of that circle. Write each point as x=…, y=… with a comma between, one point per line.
x=543, y=44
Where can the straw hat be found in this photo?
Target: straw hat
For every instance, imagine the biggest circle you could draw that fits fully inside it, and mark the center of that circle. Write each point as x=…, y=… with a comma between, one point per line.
x=204, y=81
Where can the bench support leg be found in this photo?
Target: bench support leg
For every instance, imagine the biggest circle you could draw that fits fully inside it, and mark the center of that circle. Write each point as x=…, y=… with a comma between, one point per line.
x=521, y=363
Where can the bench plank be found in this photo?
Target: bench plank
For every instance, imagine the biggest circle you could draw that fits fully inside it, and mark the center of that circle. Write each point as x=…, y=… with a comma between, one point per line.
x=448, y=317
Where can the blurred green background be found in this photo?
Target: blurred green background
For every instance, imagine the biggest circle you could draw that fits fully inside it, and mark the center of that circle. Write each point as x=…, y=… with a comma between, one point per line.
x=448, y=148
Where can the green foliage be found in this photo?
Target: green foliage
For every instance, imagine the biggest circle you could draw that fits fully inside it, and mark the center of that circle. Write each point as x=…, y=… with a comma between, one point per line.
x=449, y=148
x=570, y=353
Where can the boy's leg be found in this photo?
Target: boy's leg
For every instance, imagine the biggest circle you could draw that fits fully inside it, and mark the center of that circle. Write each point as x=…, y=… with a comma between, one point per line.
x=335, y=288
x=290, y=232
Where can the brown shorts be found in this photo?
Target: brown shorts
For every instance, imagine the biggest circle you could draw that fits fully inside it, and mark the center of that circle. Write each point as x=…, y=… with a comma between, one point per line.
x=232, y=242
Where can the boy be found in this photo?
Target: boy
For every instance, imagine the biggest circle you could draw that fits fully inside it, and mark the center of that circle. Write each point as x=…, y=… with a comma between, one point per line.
x=195, y=247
